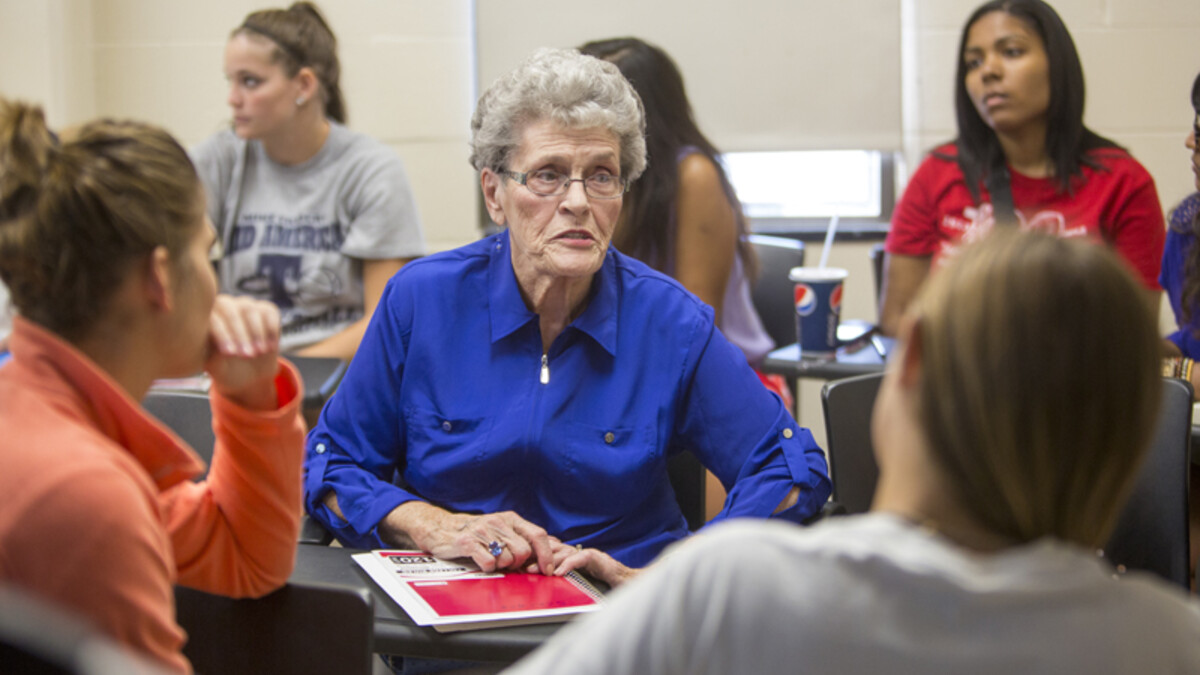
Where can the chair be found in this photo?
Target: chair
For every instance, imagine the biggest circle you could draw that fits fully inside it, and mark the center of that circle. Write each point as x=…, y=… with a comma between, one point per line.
x=189, y=414
x=687, y=476
x=773, y=293
x=1152, y=531
x=301, y=628
x=37, y=638
x=848, y=404
x=877, y=257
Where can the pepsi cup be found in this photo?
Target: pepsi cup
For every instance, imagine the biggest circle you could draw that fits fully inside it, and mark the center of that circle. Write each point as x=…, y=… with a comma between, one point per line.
x=818, y=307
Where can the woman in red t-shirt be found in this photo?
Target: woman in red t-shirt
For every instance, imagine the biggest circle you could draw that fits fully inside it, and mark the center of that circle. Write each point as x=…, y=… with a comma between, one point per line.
x=1019, y=76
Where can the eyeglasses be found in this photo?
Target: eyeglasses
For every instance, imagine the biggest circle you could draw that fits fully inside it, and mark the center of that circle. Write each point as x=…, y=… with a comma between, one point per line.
x=549, y=183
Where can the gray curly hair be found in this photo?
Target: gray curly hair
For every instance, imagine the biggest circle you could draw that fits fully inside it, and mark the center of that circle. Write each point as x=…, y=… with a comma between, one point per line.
x=566, y=87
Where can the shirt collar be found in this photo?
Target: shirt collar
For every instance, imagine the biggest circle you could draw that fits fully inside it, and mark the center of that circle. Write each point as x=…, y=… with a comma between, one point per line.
x=47, y=361
x=509, y=313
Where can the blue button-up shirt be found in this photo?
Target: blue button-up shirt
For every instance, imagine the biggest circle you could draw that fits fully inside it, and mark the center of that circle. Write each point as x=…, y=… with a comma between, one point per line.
x=451, y=400
x=1180, y=240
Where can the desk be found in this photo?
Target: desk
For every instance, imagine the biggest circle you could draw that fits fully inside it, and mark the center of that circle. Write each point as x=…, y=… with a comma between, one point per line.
x=858, y=359
x=395, y=632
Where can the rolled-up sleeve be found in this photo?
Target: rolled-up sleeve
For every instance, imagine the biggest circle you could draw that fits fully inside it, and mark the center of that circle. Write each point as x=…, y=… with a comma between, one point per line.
x=358, y=445
x=746, y=437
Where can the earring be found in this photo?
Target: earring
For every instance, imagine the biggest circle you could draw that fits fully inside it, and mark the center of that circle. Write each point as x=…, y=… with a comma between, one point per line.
x=300, y=101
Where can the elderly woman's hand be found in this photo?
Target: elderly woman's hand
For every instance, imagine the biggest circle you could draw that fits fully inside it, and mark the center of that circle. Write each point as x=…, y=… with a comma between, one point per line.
x=460, y=535
x=244, y=351
x=595, y=562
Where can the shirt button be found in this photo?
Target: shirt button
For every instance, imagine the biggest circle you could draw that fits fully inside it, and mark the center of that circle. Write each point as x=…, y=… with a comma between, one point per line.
x=608, y=437
x=446, y=426
x=320, y=448
x=787, y=433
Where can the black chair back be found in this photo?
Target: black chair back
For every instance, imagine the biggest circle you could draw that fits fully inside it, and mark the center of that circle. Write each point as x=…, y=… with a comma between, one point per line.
x=773, y=294
x=298, y=629
x=188, y=414
x=848, y=404
x=877, y=256
x=1152, y=531
x=689, y=480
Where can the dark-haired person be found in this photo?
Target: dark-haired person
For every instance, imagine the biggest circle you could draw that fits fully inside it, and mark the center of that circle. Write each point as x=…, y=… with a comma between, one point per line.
x=978, y=555
x=682, y=216
x=312, y=216
x=104, y=246
x=1180, y=278
x=1019, y=96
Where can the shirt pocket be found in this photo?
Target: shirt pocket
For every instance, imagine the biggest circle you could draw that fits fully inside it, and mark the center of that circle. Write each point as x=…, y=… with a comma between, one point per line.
x=601, y=470
x=445, y=457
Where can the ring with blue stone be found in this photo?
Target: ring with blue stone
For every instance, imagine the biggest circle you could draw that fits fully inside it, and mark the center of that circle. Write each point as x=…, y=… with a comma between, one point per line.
x=495, y=548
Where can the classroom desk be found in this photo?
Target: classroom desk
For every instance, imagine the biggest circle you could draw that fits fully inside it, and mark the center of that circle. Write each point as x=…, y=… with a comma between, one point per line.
x=858, y=359
x=864, y=352
x=395, y=632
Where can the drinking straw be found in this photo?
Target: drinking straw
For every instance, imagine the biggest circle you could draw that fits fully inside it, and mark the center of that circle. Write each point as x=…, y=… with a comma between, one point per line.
x=833, y=223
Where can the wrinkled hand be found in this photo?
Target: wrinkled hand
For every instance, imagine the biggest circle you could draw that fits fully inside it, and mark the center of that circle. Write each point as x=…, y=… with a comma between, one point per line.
x=595, y=562
x=244, y=350
x=460, y=535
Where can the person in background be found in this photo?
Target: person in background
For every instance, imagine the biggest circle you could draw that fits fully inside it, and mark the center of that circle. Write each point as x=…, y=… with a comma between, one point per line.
x=1023, y=155
x=1180, y=278
x=979, y=553
x=682, y=216
x=104, y=246
x=515, y=401
x=311, y=216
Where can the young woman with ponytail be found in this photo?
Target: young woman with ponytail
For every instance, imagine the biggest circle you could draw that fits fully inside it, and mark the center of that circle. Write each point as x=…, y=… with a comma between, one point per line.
x=310, y=215
x=104, y=246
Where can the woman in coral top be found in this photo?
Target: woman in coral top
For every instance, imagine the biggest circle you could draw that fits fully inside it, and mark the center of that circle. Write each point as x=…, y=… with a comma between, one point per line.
x=104, y=246
x=1019, y=97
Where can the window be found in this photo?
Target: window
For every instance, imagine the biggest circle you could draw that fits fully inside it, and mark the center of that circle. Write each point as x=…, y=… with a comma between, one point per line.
x=800, y=190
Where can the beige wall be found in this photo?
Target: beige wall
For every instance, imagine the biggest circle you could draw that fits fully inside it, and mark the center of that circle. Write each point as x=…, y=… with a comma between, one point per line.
x=407, y=75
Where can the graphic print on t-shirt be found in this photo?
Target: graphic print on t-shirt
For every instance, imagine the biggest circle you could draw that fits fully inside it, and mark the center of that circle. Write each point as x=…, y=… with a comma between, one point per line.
x=976, y=222
x=296, y=263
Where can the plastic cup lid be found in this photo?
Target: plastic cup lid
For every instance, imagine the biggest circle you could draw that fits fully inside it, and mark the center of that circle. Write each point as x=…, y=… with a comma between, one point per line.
x=818, y=274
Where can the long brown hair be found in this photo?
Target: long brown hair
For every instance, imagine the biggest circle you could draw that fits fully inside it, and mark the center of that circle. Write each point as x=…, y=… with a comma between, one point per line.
x=302, y=39
x=1039, y=383
x=75, y=213
x=670, y=127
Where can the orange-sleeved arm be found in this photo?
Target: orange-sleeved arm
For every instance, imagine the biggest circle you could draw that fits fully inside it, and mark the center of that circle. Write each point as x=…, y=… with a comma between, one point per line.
x=235, y=533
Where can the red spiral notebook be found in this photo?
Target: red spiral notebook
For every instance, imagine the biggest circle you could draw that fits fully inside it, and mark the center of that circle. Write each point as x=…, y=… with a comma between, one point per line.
x=453, y=595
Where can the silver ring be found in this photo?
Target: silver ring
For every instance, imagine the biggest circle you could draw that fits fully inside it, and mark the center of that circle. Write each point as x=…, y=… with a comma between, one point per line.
x=495, y=548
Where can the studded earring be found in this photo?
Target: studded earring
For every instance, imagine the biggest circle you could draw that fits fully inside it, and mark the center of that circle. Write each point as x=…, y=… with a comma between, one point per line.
x=300, y=101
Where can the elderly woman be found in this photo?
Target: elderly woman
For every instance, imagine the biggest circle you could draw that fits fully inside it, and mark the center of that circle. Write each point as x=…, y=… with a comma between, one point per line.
x=515, y=400
x=1007, y=438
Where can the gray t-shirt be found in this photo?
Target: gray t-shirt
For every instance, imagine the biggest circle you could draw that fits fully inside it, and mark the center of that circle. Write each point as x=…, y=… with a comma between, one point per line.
x=873, y=594
x=297, y=235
